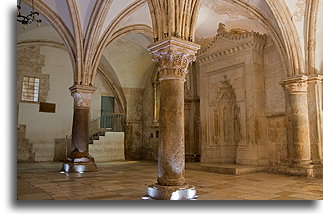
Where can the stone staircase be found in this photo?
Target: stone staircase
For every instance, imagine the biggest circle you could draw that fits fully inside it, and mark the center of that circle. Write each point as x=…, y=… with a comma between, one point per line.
x=107, y=146
x=96, y=136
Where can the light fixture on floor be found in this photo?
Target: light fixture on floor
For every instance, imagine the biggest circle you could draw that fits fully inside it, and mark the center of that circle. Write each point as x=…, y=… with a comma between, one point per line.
x=30, y=18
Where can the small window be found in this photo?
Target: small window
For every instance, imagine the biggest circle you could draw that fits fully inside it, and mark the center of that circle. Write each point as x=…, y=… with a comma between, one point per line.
x=30, y=89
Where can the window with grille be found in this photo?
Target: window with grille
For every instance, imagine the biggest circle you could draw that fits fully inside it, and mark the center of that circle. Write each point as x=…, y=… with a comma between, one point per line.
x=30, y=89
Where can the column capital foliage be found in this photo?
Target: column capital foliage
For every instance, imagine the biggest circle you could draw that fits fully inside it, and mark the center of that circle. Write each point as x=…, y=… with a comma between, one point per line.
x=82, y=95
x=174, y=56
x=296, y=85
x=173, y=64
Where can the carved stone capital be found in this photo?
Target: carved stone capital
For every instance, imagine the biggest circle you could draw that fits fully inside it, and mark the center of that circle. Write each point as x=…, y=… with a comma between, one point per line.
x=173, y=64
x=296, y=85
x=174, y=56
x=82, y=95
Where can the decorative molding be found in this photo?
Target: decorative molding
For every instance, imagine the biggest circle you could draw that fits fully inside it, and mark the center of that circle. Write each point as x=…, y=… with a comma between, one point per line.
x=82, y=95
x=315, y=78
x=242, y=40
x=296, y=85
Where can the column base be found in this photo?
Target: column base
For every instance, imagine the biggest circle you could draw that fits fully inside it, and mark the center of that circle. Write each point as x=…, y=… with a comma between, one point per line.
x=318, y=172
x=159, y=192
x=305, y=170
x=83, y=164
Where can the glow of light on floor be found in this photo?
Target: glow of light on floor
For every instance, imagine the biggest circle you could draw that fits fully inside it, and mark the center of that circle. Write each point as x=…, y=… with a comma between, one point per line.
x=175, y=196
x=145, y=198
x=191, y=193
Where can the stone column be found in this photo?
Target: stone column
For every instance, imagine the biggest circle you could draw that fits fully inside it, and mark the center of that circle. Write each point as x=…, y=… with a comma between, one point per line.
x=79, y=159
x=299, y=151
x=315, y=109
x=174, y=56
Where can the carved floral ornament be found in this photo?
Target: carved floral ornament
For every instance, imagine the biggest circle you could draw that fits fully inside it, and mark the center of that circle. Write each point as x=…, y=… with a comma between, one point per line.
x=82, y=95
x=173, y=64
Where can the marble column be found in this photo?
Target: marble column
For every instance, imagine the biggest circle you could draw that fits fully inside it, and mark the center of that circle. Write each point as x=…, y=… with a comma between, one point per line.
x=174, y=56
x=299, y=150
x=79, y=159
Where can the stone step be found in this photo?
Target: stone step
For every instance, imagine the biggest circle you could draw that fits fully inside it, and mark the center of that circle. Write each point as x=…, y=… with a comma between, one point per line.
x=101, y=133
x=231, y=169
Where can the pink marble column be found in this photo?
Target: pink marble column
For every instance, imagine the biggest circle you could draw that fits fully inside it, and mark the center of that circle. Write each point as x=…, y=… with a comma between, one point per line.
x=79, y=159
x=174, y=56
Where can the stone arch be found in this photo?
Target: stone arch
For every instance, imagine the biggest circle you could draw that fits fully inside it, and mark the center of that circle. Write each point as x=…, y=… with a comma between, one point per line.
x=311, y=15
x=117, y=91
x=289, y=35
x=111, y=29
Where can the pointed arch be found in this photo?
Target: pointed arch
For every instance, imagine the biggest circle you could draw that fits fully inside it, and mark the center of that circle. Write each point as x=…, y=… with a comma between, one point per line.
x=290, y=38
x=107, y=35
x=311, y=12
x=78, y=40
x=92, y=35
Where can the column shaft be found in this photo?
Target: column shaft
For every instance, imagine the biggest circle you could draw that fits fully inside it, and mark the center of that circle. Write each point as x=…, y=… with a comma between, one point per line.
x=299, y=151
x=79, y=159
x=80, y=132
x=171, y=155
x=174, y=56
x=300, y=128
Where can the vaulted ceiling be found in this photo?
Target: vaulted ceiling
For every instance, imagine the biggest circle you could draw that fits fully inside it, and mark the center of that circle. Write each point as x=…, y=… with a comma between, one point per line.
x=110, y=26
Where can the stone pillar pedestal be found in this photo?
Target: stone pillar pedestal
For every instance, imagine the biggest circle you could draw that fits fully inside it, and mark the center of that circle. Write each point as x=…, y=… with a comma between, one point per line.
x=79, y=159
x=174, y=56
x=299, y=150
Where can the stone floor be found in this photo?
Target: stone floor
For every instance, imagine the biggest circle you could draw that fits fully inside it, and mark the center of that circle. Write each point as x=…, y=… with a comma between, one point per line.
x=128, y=180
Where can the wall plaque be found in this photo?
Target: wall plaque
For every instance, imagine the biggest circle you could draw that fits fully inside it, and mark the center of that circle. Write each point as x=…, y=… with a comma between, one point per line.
x=47, y=107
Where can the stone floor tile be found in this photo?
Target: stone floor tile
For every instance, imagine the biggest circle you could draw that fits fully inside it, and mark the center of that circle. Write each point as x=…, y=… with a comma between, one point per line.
x=128, y=180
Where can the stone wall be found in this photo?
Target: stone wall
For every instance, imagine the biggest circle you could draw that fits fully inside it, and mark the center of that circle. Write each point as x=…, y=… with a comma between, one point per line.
x=46, y=132
x=275, y=104
x=50, y=64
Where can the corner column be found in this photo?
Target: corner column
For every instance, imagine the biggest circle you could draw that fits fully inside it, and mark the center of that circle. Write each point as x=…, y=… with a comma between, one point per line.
x=314, y=109
x=174, y=56
x=79, y=159
x=299, y=148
